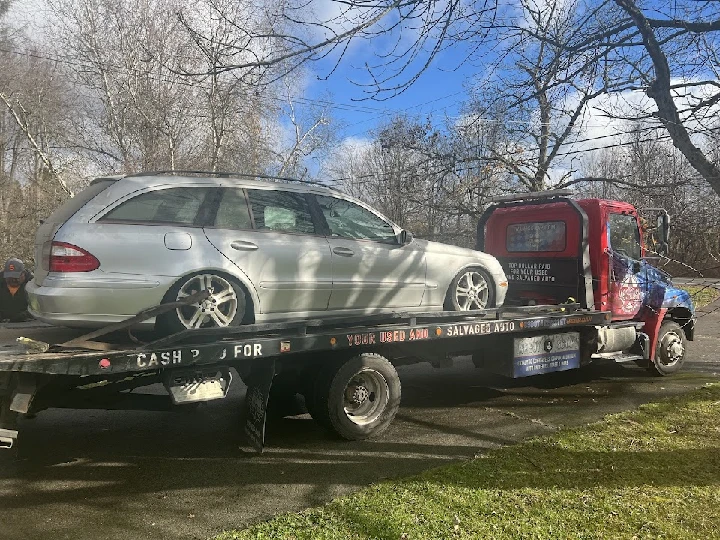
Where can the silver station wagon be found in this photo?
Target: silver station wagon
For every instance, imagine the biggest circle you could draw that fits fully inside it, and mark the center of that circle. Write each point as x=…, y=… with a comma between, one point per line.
x=269, y=249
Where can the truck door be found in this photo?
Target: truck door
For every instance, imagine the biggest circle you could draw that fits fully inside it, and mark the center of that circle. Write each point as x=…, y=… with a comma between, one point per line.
x=628, y=272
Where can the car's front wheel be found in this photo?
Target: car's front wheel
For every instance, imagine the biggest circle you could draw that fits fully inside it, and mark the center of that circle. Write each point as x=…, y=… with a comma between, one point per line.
x=226, y=305
x=471, y=289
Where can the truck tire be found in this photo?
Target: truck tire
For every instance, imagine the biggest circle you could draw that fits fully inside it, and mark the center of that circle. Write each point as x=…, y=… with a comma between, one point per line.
x=471, y=289
x=356, y=398
x=670, y=349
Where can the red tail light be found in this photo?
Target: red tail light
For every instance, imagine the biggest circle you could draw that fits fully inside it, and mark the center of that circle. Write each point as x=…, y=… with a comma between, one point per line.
x=68, y=258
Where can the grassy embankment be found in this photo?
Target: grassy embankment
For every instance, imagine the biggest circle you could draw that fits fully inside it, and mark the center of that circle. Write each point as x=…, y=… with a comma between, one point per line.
x=702, y=295
x=649, y=473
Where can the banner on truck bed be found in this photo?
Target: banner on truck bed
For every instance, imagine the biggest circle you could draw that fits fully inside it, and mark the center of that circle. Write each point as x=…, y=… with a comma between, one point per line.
x=545, y=354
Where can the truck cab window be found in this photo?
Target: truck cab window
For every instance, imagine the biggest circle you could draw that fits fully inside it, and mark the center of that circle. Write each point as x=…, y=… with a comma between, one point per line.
x=625, y=235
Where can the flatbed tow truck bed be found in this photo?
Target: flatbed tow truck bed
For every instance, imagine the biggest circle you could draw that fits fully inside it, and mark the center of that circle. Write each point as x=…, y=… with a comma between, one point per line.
x=344, y=368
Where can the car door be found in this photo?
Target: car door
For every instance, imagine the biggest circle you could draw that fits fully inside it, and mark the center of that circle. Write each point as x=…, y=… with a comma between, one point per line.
x=628, y=280
x=371, y=270
x=270, y=236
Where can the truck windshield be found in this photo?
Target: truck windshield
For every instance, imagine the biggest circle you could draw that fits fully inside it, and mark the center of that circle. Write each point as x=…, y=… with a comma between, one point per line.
x=625, y=235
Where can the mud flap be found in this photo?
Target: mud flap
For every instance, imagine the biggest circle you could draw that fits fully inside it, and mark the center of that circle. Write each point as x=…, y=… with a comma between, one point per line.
x=8, y=418
x=258, y=382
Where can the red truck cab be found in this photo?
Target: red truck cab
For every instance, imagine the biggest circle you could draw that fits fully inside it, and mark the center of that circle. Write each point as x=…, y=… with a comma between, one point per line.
x=555, y=249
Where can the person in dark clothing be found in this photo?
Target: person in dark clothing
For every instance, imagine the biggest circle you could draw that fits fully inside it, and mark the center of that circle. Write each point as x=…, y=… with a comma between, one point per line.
x=13, y=297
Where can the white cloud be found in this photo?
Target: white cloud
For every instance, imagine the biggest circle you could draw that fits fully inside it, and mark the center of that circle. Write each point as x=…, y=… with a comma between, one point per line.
x=355, y=145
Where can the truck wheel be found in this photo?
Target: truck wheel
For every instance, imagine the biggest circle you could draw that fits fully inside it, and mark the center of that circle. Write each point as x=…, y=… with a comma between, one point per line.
x=357, y=398
x=471, y=289
x=670, y=349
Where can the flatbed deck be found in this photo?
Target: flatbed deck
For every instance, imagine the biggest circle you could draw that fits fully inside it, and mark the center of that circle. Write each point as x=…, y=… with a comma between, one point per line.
x=216, y=345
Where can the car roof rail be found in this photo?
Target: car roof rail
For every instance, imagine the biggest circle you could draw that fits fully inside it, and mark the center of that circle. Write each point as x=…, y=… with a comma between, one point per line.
x=227, y=174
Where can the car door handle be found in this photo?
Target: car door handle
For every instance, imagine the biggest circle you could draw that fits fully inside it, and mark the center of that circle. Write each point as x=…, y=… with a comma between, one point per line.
x=343, y=251
x=243, y=246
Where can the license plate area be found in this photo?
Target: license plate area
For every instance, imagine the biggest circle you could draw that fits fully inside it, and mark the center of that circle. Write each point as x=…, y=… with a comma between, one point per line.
x=546, y=353
x=195, y=385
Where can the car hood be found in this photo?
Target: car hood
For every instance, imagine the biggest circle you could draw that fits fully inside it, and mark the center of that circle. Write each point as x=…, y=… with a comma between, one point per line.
x=437, y=248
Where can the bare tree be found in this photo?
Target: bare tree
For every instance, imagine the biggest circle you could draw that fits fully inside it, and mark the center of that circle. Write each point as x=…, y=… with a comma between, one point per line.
x=652, y=174
x=421, y=178
x=312, y=134
x=671, y=55
x=35, y=171
x=695, y=32
x=538, y=93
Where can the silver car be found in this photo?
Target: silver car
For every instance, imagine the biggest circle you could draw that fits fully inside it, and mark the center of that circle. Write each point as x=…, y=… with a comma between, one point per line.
x=268, y=250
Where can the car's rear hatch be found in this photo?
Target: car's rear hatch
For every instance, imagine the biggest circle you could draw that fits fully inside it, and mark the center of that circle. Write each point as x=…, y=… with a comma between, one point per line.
x=46, y=231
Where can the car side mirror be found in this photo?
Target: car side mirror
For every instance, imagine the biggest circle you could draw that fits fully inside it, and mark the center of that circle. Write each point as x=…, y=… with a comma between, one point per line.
x=404, y=237
x=663, y=229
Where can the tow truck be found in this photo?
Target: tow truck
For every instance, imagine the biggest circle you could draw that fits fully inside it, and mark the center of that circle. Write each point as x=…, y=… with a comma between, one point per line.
x=581, y=288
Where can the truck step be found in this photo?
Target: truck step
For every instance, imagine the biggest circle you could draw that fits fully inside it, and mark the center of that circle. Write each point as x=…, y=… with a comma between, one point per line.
x=618, y=357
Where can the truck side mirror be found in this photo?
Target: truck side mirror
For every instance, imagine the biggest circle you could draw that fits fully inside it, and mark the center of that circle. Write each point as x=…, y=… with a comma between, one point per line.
x=663, y=228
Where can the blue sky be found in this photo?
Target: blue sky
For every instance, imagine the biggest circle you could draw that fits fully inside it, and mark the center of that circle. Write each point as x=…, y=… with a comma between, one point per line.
x=439, y=92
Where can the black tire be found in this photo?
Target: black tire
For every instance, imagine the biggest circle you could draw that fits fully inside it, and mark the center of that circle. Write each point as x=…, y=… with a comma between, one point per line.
x=453, y=303
x=178, y=319
x=670, y=349
x=478, y=359
x=371, y=406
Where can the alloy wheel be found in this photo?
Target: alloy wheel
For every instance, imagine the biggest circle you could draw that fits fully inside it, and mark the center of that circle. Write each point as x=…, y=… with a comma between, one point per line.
x=471, y=291
x=219, y=309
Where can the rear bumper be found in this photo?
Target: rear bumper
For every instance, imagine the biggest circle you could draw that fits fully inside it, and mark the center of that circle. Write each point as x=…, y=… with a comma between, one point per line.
x=94, y=301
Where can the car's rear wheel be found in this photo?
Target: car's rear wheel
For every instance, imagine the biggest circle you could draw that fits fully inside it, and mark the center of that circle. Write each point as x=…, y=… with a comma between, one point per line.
x=226, y=305
x=471, y=289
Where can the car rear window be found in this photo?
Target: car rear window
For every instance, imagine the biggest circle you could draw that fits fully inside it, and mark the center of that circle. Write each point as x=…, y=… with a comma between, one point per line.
x=174, y=205
x=536, y=237
x=68, y=209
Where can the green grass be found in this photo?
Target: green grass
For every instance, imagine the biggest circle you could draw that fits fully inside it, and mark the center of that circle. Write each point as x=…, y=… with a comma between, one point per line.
x=702, y=295
x=650, y=473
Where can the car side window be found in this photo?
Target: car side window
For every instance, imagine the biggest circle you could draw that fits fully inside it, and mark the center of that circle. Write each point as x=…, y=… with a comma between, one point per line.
x=174, y=205
x=349, y=220
x=233, y=212
x=281, y=211
x=625, y=235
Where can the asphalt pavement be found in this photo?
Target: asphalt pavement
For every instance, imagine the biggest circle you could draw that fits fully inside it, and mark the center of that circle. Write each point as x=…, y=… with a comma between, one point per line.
x=180, y=475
